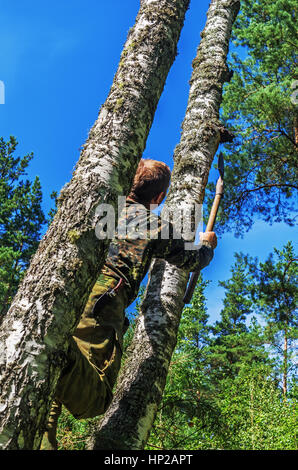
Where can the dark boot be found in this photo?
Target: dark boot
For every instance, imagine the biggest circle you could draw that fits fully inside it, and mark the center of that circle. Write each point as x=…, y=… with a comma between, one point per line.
x=49, y=441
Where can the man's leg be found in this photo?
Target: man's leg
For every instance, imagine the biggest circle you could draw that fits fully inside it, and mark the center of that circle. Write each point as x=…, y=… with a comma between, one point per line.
x=85, y=385
x=81, y=390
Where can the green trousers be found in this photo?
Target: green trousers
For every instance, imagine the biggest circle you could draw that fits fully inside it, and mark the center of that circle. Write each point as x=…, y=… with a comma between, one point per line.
x=85, y=385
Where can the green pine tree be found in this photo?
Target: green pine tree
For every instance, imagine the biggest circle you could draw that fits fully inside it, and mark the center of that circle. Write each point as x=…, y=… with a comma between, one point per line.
x=235, y=341
x=256, y=416
x=275, y=295
x=222, y=390
x=243, y=377
x=21, y=220
x=260, y=108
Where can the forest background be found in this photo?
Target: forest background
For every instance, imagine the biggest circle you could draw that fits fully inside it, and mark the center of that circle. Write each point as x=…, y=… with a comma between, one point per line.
x=232, y=379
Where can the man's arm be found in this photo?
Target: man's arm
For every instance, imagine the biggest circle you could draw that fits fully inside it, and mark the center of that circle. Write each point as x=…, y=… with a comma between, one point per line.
x=173, y=249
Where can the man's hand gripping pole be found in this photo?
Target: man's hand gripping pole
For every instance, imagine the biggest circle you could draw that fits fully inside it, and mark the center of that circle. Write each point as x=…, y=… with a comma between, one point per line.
x=209, y=228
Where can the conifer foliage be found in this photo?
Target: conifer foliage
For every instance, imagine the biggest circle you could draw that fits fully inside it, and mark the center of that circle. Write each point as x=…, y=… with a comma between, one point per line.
x=260, y=108
x=226, y=383
x=21, y=219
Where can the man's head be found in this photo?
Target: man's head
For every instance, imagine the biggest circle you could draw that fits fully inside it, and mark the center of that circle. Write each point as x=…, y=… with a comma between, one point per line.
x=151, y=182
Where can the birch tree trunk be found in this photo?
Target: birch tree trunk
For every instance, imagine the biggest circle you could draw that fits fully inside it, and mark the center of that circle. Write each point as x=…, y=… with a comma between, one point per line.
x=285, y=362
x=128, y=421
x=34, y=334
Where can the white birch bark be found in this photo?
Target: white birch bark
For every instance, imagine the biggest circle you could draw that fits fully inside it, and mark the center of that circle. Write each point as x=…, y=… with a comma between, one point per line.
x=35, y=331
x=129, y=419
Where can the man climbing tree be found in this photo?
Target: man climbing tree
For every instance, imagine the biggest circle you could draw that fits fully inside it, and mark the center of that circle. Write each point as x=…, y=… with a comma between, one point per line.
x=36, y=330
x=85, y=386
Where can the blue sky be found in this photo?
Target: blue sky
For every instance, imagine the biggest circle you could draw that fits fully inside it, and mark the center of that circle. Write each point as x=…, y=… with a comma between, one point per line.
x=58, y=60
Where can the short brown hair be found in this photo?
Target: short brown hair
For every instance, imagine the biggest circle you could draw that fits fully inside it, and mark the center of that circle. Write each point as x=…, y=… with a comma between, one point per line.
x=151, y=178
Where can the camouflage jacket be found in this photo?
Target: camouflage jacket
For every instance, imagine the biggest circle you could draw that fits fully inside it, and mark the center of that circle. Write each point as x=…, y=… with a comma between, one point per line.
x=141, y=236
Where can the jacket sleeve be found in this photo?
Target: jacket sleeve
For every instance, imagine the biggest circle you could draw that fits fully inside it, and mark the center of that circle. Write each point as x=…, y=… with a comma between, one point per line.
x=170, y=246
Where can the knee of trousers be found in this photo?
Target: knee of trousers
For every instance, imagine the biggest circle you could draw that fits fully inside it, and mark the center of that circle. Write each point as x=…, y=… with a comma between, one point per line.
x=84, y=390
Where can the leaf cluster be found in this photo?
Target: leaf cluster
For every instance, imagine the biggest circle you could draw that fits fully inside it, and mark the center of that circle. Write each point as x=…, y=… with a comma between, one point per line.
x=224, y=387
x=21, y=219
x=260, y=110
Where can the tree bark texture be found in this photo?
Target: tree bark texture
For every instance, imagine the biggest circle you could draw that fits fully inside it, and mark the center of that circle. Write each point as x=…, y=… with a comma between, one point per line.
x=285, y=362
x=128, y=421
x=47, y=307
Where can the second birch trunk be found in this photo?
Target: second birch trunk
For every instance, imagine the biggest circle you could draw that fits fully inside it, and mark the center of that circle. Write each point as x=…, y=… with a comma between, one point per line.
x=128, y=421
